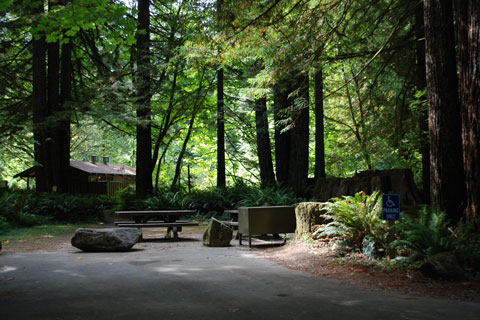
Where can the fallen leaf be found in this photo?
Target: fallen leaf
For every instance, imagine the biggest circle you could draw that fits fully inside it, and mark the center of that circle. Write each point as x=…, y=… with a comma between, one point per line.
x=233, y=309
x=80, y=258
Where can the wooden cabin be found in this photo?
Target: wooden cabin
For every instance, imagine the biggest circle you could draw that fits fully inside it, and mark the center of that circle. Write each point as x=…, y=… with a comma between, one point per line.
x=94, y=177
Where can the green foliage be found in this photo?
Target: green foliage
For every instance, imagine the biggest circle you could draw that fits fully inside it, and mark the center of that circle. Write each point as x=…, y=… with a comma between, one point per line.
x=270, y=196
x=357, y=221
x=428, y=232
x=367, y=123
x=207, y=201
x=422, y=235
x=465, y=244
x=26, y=209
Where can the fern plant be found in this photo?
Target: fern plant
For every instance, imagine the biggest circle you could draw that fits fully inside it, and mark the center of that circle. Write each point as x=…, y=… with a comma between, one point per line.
x=357, y=221
x=423, y=235
x=465, y=244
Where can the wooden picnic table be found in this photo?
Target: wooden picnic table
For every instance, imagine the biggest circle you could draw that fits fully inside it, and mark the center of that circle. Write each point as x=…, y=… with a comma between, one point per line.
x=233, y=214
x=142, y=219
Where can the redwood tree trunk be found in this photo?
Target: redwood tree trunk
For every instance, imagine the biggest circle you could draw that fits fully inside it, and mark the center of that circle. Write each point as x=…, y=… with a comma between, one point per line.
x=53, y=105
x=447, y=189
x=319, y=127
x=291, y=146
x=264, y=150
x=299, y=139
x=221, y=179
x=421, y=84
x=144, y=130
x=468, y=21
x=63, y=135
x=39, y=106
x=282, y=139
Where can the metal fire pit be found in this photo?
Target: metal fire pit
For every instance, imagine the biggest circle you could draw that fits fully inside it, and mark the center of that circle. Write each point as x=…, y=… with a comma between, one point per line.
x=265, y=220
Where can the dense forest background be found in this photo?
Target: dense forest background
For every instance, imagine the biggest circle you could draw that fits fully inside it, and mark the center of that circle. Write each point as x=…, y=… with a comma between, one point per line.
x=258, y=92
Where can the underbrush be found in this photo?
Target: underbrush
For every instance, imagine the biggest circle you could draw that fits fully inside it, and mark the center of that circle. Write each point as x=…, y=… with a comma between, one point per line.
x=355, y=227
x=208, y=202
x=356, y=221
x=27, y=209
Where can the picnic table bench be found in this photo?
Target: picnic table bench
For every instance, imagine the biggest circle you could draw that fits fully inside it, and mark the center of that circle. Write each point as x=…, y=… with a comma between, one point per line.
x=142, y=219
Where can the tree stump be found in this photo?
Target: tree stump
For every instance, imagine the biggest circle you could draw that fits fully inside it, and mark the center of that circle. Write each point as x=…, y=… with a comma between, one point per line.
x=308, y=215
x=398, y=181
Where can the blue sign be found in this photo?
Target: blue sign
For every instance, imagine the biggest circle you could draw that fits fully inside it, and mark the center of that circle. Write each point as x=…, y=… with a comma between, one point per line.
x=391, y=207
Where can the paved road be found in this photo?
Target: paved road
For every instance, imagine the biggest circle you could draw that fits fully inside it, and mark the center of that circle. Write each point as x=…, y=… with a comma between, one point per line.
x=188, y=281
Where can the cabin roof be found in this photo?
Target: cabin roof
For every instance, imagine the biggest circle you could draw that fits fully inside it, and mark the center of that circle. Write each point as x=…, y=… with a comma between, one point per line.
x=89, y=167
x=101, y=168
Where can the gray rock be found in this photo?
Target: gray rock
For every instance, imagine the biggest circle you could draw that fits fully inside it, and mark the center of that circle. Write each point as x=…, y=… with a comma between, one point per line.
x=443, y=265
x=107, y=239
x=217, y=234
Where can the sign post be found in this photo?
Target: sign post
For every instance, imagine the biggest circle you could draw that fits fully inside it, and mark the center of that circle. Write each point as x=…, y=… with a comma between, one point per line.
x=391, y=213
x=391, y=207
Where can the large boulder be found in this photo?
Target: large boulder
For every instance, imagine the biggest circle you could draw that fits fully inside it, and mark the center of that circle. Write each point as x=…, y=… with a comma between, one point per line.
x=443, y=265
x=107, y=239
x=217, y=234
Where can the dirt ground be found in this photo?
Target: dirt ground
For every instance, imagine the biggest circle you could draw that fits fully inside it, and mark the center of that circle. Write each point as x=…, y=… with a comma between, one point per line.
x=319, y=261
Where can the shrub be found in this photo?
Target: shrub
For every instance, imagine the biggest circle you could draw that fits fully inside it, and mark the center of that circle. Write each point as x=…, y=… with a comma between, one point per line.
x=26, y=209
x=216, y=200
x=465, y=244
x=428, y=232
x=64, y=207
x=357, y=221
x=270, y=196
x=423, y=234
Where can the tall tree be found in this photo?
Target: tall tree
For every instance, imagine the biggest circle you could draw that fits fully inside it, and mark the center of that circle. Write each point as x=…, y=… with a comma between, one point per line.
x=447, y=187
x=264, y=150
x=319, y=127
x=57, y=95
x=281, y=137
x=39, y=102
x=468, y=21
x=291, y=101
x=221, y=179
x=421, y=85
x=298, y=172
x=63, y=132
x=143, y=95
